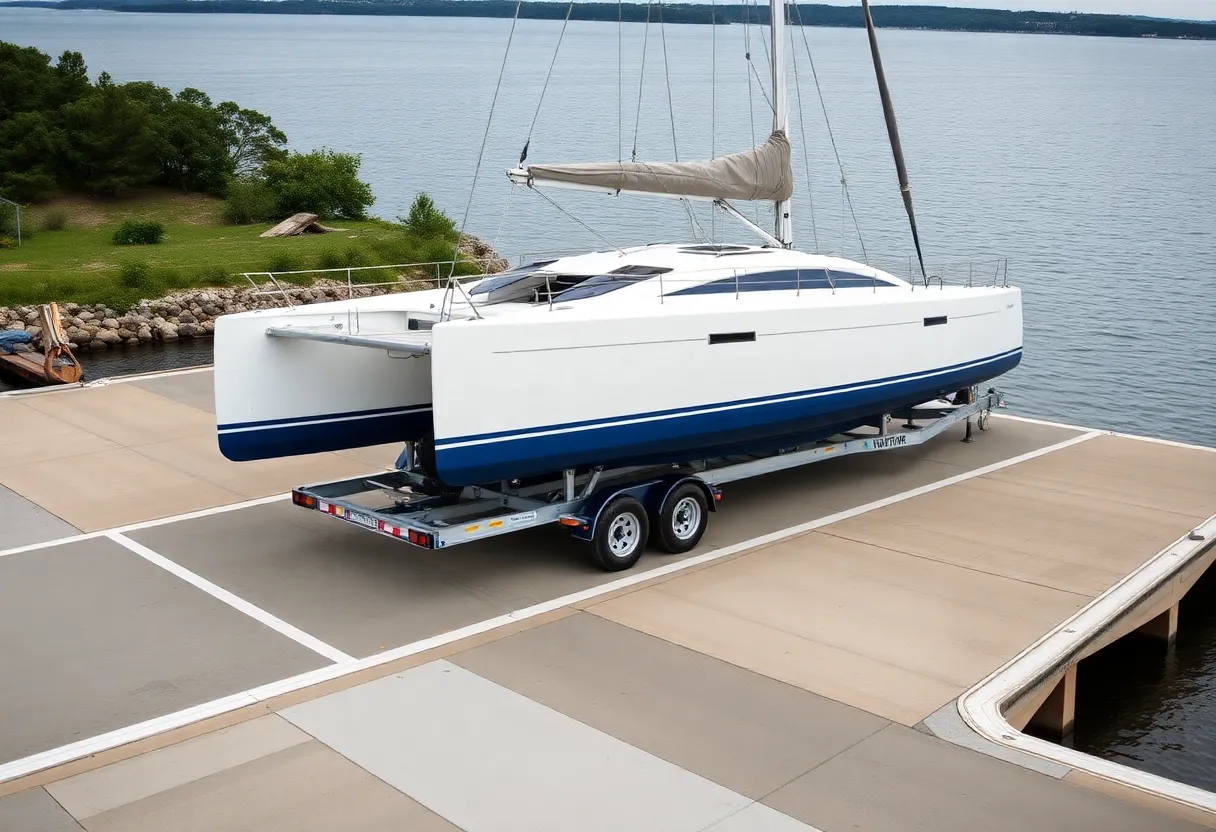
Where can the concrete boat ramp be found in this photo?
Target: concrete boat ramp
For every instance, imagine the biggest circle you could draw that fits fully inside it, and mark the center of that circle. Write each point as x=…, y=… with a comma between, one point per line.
x=183, y=649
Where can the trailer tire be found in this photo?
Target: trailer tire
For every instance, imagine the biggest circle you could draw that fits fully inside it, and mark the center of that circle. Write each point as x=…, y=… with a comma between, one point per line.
x=680, y=524
x=620, y=534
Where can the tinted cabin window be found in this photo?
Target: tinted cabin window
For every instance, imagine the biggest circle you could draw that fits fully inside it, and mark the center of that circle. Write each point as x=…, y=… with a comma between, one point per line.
x=785, y=279
x=603, y=283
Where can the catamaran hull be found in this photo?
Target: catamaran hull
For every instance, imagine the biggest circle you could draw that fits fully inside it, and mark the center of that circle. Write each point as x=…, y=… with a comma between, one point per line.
x=278, y=397
x=673, y=388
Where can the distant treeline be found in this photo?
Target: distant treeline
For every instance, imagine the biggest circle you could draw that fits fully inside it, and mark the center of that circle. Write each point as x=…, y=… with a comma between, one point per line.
x=891, y=17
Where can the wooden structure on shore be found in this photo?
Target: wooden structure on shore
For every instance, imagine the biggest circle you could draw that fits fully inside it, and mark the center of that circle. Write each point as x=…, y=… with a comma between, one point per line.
x=297, y=224
x=56, y=364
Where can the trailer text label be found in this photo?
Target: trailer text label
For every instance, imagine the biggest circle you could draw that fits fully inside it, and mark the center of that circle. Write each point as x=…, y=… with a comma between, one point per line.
x=888, y=441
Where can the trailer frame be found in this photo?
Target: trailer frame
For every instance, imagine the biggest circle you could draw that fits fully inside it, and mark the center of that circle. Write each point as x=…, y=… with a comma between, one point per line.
x=616, y=509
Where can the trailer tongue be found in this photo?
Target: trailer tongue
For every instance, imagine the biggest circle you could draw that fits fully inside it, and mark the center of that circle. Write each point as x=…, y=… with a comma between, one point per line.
x=617, y=511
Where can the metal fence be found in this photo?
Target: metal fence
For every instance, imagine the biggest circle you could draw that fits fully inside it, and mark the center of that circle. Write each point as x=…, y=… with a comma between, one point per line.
x=10, y=219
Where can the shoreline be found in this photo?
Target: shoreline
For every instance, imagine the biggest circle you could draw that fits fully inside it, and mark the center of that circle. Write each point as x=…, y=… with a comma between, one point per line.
x=904, y=18
x=191, y=313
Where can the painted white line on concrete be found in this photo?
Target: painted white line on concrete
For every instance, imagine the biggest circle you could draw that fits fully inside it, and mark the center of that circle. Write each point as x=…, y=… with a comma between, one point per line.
x=1170, y=442
x=982, y=707
x=1046, y=423
x=236, y=602
x=122, y=736
x=147, y=524
x=1190, y=446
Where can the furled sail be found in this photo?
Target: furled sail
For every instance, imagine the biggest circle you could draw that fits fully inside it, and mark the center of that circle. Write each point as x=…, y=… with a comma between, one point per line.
x=762, y=173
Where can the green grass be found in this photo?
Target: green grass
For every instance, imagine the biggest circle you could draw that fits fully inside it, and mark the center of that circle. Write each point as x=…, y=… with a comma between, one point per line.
x=81, y=263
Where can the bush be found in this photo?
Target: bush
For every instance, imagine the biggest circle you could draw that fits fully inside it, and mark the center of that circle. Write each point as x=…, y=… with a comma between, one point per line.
x=249, y=200
x=136, y=274
x=322, y=182
x=55, y=220
x=213, y=276
x=139, y=233
x=426, y=220
x=7, y=242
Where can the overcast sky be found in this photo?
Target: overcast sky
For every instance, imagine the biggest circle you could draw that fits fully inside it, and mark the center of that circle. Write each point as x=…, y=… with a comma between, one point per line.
x=1185, y=9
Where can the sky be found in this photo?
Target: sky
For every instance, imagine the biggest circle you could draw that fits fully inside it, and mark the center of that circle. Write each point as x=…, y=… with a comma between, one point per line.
x=1184, y=9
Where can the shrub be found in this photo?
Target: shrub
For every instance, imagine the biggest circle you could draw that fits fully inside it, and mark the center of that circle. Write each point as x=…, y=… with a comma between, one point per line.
x=136, y=274
x=55, y=220
x=322, y=182
x=330, y=259
x=213, y=276
x=7, y=242
x=139, y=233
x=426, y=220
x=249, y=200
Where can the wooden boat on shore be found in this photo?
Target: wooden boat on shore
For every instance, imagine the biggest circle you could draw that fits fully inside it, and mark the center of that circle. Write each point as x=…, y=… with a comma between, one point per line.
x=55, y=364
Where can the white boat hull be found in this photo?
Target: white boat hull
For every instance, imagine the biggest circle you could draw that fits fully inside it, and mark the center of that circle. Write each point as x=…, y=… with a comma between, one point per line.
x=514, y=400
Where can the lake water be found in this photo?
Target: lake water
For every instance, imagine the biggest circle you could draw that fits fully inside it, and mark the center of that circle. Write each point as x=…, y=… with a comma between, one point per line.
x=1088, y=162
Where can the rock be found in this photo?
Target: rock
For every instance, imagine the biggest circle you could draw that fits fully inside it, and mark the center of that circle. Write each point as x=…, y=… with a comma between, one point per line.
x=209, y=310
x=187, y=318
x=110, y=323
x=167, y=332
x=187, y=330
x=109, y=337
x=34, y=331
x=175, y=310
x=98, y=344
x=17, y=325
x=208, y=327
x=126, y=333
x=144, y=335
x=133, y=342
x=86, y=315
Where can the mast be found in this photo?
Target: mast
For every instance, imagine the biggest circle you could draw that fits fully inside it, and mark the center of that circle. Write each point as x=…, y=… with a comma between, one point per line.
x=888, y=111
x=784, y=230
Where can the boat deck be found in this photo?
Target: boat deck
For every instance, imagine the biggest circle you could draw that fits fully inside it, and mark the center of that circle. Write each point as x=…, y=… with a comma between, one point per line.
x=185, y=649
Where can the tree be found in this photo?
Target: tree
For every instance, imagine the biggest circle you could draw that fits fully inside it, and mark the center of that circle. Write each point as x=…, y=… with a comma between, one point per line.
x=110, y=145
x=29, y=146
x=322, y=182
x=252, y=139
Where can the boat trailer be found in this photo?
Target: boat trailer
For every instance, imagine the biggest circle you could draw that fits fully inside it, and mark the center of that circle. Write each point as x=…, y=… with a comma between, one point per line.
x=618, y=511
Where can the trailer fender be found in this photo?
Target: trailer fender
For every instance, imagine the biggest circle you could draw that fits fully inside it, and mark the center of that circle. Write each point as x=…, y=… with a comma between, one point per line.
x=658, y=494
x=652, y=494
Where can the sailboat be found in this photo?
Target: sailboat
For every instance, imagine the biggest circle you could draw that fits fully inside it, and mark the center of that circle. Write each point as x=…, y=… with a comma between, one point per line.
x=651, y=354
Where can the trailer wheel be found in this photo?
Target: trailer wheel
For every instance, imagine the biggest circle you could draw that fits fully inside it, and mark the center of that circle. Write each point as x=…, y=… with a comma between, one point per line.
x=620, y=534
x=683, y=519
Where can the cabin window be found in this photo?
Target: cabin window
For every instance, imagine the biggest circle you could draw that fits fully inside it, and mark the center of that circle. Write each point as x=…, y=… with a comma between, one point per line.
x=786, y=279
x=601, y=284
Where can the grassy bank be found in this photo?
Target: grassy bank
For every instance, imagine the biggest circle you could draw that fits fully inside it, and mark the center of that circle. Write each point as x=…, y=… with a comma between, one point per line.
x=80, y=263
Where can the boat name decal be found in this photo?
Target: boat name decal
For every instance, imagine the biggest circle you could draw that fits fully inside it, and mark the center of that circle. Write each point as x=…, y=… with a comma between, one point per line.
x=516, y=519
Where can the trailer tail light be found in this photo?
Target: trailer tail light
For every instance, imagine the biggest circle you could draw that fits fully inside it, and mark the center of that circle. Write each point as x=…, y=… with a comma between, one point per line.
x=419, y=538
x=305, y=500
x=389, y=528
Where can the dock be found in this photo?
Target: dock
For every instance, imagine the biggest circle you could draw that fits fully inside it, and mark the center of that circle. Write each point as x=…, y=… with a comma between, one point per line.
x=855, y=645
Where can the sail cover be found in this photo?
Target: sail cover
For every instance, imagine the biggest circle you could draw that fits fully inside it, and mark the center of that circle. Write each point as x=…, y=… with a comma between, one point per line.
x=762, y=173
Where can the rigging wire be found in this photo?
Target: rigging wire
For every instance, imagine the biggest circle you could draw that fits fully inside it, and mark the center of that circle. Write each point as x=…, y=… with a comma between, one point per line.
x=747, y=55
x=671, y=114
x=844, y=187
x=620, y=89
x=806, y=163
x=713, y=104
x=562, y=210
x=637, y=119
x=548, y=75
x=476, y=170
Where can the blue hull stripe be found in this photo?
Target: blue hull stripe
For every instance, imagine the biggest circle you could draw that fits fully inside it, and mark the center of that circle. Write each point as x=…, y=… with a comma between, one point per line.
x=335, y=432
x=695, y=433
x=323, y=417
